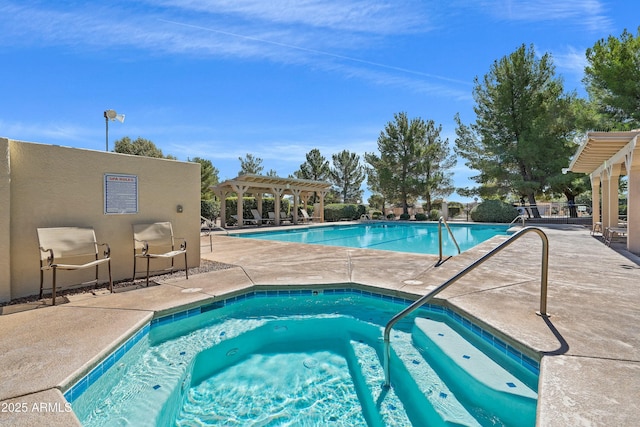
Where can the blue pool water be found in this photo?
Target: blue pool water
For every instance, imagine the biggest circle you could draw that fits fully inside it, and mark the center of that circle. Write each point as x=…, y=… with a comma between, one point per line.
x=308, y=358
x=400, y=237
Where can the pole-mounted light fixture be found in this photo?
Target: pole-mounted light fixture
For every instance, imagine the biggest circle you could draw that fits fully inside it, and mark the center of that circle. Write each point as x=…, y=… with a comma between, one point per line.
x=111, y=115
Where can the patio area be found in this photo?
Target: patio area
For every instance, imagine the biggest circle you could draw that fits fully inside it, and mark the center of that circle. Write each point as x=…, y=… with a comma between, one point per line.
x=590, y=369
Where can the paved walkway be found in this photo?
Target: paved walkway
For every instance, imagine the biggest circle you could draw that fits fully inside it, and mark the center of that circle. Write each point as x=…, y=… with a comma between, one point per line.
x=590, y=369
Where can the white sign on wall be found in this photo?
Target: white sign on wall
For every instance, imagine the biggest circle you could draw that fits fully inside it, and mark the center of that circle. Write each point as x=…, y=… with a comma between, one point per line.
x=120, y=193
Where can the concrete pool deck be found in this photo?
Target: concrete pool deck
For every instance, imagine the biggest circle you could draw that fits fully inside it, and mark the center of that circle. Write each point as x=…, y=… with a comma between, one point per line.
x=590, y=369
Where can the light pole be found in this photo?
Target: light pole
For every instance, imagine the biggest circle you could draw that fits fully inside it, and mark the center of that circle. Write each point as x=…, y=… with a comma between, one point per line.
x=111, y=115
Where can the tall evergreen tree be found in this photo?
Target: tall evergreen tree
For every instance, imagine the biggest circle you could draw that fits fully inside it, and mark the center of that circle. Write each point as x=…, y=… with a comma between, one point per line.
x=208, y=177
x=612, y=79
x=250, y=165
x=315, y=168
x=437, y=160
x=523, y=130
x=139, y=147
x=347, y=175
x=413, y=162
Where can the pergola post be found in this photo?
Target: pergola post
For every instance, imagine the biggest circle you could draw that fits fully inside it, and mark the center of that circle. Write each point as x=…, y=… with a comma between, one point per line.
x=322, y=195
x=633, y=208
x=223, y=207
x=296, y=198
x=610, y=197
x=595, y=200
x=277, y=194
x=259, y=203
x=240, y=190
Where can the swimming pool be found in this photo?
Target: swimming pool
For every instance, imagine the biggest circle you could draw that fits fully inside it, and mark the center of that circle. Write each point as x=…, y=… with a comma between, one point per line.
x=390, y=236
x=309, y=357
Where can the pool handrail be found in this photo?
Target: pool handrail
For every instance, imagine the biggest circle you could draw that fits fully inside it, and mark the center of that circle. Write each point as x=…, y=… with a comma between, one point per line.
x=519, y=217
x=441, y=220
x=422, y=300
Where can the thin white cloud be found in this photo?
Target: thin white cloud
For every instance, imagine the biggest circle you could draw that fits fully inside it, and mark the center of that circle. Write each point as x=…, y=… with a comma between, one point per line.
x=589, y=14
x=43, y=131
x=379, y=17
x=571, y=61
x=327, y=35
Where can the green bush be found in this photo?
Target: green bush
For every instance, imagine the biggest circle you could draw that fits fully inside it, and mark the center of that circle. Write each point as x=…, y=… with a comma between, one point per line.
x=434, y=215
x=391, y=216
x=338, y=211
x=376, y=215
x=421, y=217
x=210, y=209
x=435, y=204
x=493, y=211
x=405, y=216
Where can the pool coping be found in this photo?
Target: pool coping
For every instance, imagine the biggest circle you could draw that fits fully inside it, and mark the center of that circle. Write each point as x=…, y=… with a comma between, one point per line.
x=590, y=367
x=504, y=346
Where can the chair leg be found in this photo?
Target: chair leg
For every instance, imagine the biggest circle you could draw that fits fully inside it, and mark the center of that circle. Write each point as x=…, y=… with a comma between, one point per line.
x=148, y=271
x=53, y=292
x=110, y=280
x=186, y=266
x=41, y=280
x=135, y=258
x=97, y=277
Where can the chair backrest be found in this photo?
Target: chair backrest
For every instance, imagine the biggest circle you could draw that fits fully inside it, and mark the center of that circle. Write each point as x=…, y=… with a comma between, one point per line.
x=156, y=234
x=67, y=242
x=272, y=215
x=256, y=214
x=304, y=212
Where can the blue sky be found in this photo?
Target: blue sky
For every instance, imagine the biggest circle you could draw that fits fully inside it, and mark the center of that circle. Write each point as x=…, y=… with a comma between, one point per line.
x=220, y=79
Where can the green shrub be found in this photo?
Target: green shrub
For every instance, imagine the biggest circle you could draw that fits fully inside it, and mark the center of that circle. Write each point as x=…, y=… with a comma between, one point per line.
x=421, y=217
x=210, y=209
x=405, y=216
x=376, y=215
x=434, y=215
x=338, y=211
x=493, y=211
x=391, y=216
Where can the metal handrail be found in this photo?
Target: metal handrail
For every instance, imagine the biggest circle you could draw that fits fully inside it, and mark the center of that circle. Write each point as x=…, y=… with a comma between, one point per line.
x=443, y=286
x=441, y=220
x=210, y=224
x=517, y=218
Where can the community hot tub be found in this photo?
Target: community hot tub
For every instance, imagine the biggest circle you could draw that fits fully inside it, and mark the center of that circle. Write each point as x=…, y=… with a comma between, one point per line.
x=310, y=357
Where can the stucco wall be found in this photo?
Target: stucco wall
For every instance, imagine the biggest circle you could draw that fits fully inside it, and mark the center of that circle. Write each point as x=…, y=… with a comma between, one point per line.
x=53, y=186
x=5, y=223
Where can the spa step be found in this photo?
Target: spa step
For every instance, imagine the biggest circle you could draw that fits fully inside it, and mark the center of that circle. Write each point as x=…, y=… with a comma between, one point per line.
x=416, y=394
x=383, y=407
x=412, y=375
x=452, y=356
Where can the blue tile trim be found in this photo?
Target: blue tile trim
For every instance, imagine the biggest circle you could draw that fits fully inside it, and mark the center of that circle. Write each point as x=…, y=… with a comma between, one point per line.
x=81, y=386
x=78, y=388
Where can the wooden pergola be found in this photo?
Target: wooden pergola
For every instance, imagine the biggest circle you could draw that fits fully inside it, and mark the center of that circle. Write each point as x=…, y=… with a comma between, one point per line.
x=259, y=185
x=606, y=156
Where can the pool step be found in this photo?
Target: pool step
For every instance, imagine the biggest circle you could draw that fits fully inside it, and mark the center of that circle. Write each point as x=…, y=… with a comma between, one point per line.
x=417, y=396
x=383, y=406
x=419, y=385
x=454, y=357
